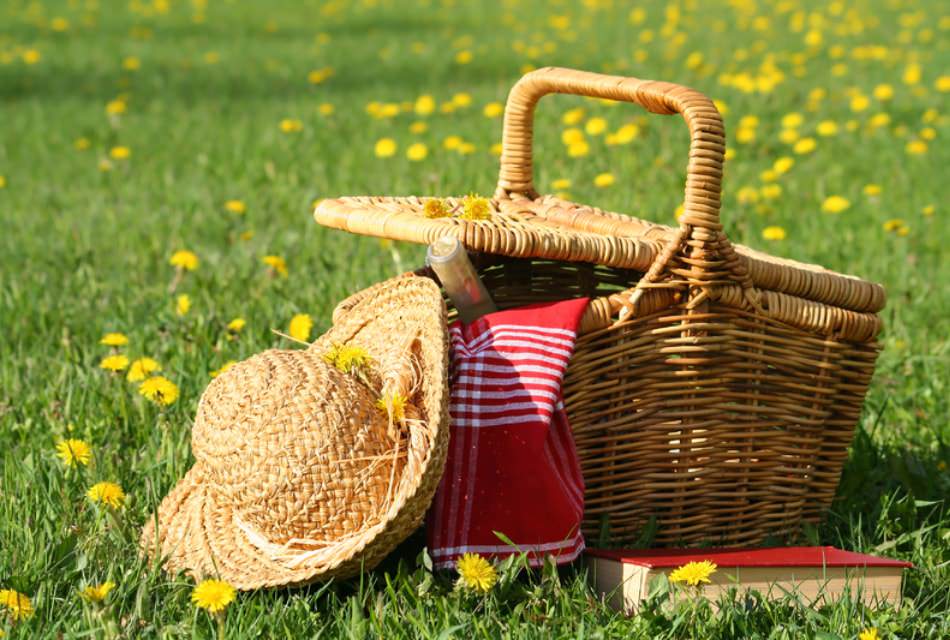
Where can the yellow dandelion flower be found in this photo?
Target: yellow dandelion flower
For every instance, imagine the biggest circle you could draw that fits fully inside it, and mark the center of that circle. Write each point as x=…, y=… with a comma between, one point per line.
x=789, y=136
x=475, y=208
x=571, y=136
x=424, y=105
x=184, y=260
x=745, y=135
x=347, y=358
x=782, y=165
x=277, y=264
x=107, y=493
x=317, y=76
x=213, y=595
x=835, y=204
x=462, y=99
x=894, y=224
x=773, y=233
x=496, y=149
x=81, y=144
x=393, y=404
x=73, y=452
x=131, y=63
x=17, y=604
x=236, y=325
x=627, y=133
x=493, y=109
x=595, y=126
x=31, y=56
x=792, y=120
x=693, y=573
x=235, y=206
x=159, y=390
x=916, y=147
x=679, y=211
x=578, y=149
x=117, y=362
x=417, y=151
x=771, y=191
x=224, y=367
x=98, y=592
x=561, y=184
x=872, y=190
x=883, y=92
x=326, y=109
x=912, y=74
x=183, y=304
x=141, y=368
x=804, y=146
x=418, y=127
x=879, y=120
x=300, y=326
x=385, y=148
x=291, y=125
x=114, y=339
x=730, y=153
x=603, y=180
x=928, y=133
x=435, y=208
x=452, y=142
x=928, y=210
x=115, y=107
x=942, y=84
x=463, y=57
x=59, y=24
x=827, y=128
x=476, y=573
x=869, y=634
x=572, y=117
x=120, y=153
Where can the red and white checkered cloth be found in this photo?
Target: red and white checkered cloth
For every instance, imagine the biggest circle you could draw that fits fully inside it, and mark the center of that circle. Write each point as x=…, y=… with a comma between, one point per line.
x=512, y=466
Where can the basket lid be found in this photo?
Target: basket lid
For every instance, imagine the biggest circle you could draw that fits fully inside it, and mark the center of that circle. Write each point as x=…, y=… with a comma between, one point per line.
x=514, y=231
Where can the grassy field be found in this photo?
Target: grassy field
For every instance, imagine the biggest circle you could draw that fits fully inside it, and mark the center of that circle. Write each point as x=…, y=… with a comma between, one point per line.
x=127, y=127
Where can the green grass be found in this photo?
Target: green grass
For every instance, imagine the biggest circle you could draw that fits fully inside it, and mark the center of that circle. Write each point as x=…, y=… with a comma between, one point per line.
x=86, y=251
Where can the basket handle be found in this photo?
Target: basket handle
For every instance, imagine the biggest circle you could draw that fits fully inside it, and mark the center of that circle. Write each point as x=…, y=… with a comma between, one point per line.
x=712, y=260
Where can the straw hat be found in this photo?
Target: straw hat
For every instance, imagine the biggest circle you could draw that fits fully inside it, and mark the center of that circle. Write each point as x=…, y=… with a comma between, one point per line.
x=318, y=462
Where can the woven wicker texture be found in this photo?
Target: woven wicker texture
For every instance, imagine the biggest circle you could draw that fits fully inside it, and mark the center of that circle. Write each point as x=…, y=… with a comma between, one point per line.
x=714, y=389
x=299, y=474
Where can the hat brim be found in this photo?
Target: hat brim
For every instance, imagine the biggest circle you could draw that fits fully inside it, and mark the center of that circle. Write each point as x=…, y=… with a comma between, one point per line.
x=195, y=529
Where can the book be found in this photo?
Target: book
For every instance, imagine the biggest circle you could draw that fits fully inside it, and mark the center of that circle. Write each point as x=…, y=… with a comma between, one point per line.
x=815, y=574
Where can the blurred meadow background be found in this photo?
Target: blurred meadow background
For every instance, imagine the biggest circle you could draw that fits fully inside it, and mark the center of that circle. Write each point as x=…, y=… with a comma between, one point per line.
x=158, y=164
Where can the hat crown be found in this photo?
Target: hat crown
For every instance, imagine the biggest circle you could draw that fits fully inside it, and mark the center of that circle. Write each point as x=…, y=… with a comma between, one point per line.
x=295, y=447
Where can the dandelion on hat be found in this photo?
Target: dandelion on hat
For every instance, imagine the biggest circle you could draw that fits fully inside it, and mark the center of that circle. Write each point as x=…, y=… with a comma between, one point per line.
x=476, y=573
x=347, y=358
x=107, y=493
x=73, y=452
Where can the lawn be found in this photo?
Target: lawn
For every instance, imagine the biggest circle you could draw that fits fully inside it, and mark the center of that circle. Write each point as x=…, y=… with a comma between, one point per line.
x=130, y=131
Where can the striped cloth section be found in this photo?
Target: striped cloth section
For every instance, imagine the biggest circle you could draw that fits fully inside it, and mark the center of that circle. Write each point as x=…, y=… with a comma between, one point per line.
x=512, y=466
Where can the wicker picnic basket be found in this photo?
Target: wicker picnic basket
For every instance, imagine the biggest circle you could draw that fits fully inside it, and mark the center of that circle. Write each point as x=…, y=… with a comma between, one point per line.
x=714, y=389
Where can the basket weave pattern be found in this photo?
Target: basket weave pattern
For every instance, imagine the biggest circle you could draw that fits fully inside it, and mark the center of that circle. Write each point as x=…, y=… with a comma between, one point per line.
x=713, y=388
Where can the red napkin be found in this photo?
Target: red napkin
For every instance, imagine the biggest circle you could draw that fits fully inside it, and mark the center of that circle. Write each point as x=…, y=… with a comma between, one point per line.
x=512, y=466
